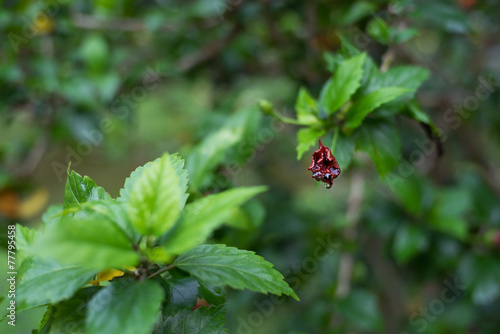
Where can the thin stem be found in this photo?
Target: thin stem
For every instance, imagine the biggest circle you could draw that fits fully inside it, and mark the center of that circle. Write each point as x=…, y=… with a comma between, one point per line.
x=161, y=271
x=335, y=137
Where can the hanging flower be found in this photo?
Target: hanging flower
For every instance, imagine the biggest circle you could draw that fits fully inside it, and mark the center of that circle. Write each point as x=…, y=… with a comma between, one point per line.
x=324, y=166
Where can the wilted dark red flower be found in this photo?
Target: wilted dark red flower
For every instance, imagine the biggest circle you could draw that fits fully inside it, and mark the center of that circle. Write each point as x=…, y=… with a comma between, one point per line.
x=324, y=166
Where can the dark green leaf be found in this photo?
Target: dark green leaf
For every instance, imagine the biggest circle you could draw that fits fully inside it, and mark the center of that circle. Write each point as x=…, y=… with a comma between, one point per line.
x=380, y=140
x=361, y=309
x=69, y=315
x=237, y=268
x=344, y=150
x=408, y=242
x=367, y=103
x=79, y=190
x=125, y=306
x=182, y=293
x=200, y=321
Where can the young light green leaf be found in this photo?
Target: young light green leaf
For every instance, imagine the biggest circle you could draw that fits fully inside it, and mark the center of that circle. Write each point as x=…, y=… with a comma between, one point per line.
x=306, y=138
x=91, y=242
x=234, y=267
x=126, y=306
x=306, y=107
x=346, y=80
x=80, y=189
x=380, y=140
x=157, y=197
x=202, y=217
x=46, y=281
x=176, y=161
x=367, y=103
x=200, y=321
x=114, y=211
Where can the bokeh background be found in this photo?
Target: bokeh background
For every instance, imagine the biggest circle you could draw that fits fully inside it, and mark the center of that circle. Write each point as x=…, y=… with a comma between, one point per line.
x=110, y=85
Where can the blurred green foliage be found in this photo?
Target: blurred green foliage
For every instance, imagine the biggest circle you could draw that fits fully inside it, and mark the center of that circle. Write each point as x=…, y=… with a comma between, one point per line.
x=110, y=85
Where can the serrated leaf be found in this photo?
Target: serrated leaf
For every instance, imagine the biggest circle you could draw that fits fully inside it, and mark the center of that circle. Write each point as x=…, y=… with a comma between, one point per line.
x=306, y=108
x=239, y=269
x=200, y=321
x=80, y=189
x=367, y=103
x=126, y=306
x=24, y=238
x=69, y=315
x=157, y=197
x=409, y=240
x=47, y=281
x=346, y=80
x=380, y=140
x=211, y=151
x=203, y=216
x=94, y=243
x=177, y=163
x=307, y=137
x=182, y=293
x=114, y=211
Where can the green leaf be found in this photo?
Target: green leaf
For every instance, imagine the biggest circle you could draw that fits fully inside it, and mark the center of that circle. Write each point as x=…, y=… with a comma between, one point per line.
x=182, y=293
x=410, y=77
x=306, y=138
x=237, y=268
x=447, y=214
x=379, y=30
x=91, y=242
x=346, y=80
x=211, y=152
x=306, y=107
x=176, y=161
x=408, y=242
x=200, y=321
x=157, y=197
x=47, y=281
x=380, y=140
x=344, y=150
x=202, y=217
x=125, y=306
x=115, y=212
x=69, y=315
x=361, y=309
x=367, y=103
x=24, y=238
x=79, y=190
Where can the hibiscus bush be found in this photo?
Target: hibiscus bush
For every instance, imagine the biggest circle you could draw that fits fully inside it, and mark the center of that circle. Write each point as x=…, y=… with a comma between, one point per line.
x=391, y=104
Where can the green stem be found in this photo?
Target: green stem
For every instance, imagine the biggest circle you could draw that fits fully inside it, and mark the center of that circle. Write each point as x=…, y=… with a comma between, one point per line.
x=162, y=270
x=335, y=137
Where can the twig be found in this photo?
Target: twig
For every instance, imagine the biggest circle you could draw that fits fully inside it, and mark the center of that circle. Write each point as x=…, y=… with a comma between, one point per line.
x=161, y=271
